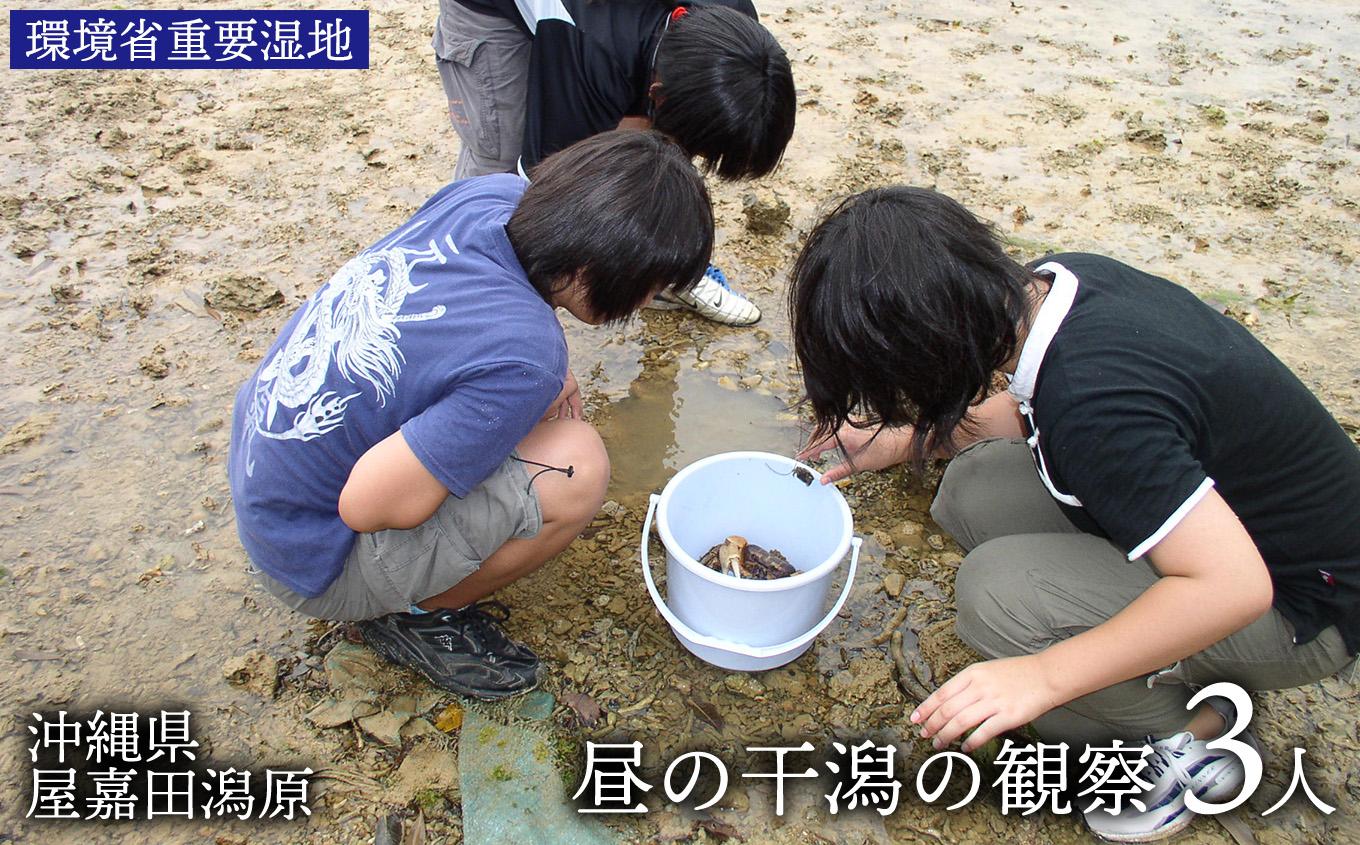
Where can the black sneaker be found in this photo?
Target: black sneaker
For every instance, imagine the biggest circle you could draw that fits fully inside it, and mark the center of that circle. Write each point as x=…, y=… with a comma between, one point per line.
x=464, y=651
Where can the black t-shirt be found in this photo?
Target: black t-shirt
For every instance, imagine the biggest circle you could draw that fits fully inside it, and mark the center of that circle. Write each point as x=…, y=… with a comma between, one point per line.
x=590, y=63
x=1145, y=398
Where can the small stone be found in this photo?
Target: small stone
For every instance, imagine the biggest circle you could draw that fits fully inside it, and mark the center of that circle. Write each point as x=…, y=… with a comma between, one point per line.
x=29, y=431
x=893, y=583
x=417, y=728
x=765, y=215
x=332, y=713
x=617, y=606
x=253, y=671
x=155, y=365
x=611, y=508
x=908, y=535
x=385, y=726
x=935, y=541
x=537, y=706
x=352, y=667
x=743, y=684
x=751, y=381
x=62, y=294
x=238, y=292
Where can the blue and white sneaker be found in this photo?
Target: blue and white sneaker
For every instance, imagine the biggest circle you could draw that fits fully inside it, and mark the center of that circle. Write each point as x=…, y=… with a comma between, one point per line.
x=1176, y=764
x=714, y=299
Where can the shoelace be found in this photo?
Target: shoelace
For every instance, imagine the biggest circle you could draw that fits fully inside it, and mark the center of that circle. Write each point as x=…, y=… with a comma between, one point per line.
x=482, y=617
x=1166, y=757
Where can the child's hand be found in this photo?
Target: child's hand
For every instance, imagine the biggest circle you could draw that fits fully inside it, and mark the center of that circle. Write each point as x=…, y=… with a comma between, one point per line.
x=863, y=451
x=993, y=696
x=567, y=405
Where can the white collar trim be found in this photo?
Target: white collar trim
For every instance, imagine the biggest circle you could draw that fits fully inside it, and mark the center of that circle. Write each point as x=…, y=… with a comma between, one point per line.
x=1046, y=323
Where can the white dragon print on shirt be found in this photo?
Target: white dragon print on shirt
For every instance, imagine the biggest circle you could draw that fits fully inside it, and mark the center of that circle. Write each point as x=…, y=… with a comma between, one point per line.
x=353, y=322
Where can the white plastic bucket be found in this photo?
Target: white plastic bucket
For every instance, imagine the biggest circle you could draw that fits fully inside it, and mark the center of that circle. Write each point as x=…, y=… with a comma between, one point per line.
x=742, y=624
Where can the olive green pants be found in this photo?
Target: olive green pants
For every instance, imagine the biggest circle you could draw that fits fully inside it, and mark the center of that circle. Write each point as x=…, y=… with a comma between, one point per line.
x=1032, y=578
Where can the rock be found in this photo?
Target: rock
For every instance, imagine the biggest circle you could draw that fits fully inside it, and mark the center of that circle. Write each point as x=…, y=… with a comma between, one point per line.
x=536, y=706
x=29, y=431
x=332, y=713
x=351, y=667
x=427, y=768
x=253, y=671
x=385, y=726
x=936, y=542
x=893, y=583
x=28, y=243
x=744, y=684
x=417, y=728
x=238, y=292
x=611, y=508
x=1139, y=132
x=765, y=215
x=908, y=535
x=751, y=381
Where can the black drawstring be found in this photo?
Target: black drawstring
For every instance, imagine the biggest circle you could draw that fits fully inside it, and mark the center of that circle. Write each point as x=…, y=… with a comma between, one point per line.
x=569, y=471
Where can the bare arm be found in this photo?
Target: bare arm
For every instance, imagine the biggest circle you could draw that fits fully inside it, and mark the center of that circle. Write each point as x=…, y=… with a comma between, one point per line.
x=390, y=488
x=1213, y=584
x=635, y=122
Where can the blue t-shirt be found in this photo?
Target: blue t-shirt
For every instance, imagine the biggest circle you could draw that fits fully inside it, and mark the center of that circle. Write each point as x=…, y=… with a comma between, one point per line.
x=434, y=330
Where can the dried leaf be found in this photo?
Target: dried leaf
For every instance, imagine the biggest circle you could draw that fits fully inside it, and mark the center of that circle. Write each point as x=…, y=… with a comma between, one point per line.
x=449, y=719
x=415, y=833
x=707, y=712
x=587, y=710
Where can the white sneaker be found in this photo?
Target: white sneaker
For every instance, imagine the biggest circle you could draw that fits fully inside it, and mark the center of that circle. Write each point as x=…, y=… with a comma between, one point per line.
x=1176, y=764
x=713, y=299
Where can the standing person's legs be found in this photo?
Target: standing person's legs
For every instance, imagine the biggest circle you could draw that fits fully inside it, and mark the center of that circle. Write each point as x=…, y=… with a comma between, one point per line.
x=1031, y=579
x=483, y=63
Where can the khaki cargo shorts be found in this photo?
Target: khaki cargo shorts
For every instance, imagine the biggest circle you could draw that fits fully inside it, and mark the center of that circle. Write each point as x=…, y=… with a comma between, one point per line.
x=388, y=571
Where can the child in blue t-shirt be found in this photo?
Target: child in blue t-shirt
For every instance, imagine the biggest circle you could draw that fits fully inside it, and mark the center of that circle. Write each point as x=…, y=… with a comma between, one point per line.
x=413, y=439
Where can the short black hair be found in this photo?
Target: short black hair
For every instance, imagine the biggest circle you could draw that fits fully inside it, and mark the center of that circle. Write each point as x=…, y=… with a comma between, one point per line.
x=626, y=209
x=727, y=92
x=903, y=305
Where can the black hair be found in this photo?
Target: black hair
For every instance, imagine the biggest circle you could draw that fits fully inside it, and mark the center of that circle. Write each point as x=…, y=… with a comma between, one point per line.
x=625, y=209
x=726, y=92
x=903, y=305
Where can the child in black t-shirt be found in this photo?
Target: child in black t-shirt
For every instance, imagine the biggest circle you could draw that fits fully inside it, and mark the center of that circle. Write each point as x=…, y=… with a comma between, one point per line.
x=524, y=80
x=1156, y=504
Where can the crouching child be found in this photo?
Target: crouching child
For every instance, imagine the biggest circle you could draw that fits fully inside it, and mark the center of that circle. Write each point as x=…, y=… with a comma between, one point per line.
x=413, y=441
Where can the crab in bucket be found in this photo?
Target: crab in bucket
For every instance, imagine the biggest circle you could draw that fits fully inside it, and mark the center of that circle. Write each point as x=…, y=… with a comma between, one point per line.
x=739, y=558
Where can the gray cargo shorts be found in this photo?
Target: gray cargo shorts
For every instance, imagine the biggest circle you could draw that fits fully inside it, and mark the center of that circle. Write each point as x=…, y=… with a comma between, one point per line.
x=388, y=571
x=483, y=63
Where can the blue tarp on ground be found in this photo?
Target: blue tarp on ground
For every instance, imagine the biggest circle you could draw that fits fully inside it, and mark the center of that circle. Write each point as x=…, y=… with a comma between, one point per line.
x=512, y=791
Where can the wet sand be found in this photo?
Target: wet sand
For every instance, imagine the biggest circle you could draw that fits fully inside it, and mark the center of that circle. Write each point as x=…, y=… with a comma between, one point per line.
x=155, y=221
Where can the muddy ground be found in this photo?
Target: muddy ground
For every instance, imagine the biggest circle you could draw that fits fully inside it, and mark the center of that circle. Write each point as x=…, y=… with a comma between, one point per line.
x=158, y=228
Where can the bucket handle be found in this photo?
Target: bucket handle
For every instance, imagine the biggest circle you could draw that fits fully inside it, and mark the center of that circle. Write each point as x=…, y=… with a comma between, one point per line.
x=727, y=645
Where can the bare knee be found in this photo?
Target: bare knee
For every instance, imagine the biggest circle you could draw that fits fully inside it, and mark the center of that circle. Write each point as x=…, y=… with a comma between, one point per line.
x=568, y=500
